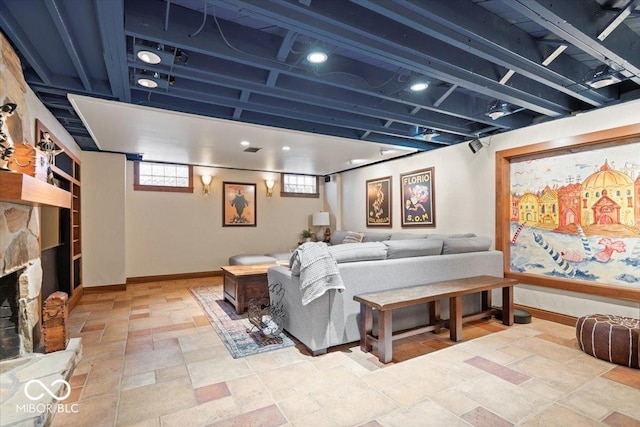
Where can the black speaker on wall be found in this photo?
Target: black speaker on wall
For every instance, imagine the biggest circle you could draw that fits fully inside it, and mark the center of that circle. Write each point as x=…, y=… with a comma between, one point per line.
x=327, y=178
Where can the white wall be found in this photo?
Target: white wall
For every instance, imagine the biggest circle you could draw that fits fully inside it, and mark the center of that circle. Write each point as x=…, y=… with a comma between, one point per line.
x=465, y=196
x=173, y=233
x=103, y=219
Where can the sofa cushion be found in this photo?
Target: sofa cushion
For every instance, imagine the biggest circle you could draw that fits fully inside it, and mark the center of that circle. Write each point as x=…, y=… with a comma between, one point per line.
x=369, y=251
x=353, y=237
x=370, y=236
x=450, y=236
x=249, y=259
x=337, y=237
x=413, y=247
x=466, y=244
x=407, y=236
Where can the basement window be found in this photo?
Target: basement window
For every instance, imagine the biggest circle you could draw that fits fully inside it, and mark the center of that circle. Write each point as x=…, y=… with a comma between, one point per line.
x=149, y=176
x=293, y=185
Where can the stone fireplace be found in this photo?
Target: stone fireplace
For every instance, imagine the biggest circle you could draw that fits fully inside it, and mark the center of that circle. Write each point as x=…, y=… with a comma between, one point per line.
x=20, y=280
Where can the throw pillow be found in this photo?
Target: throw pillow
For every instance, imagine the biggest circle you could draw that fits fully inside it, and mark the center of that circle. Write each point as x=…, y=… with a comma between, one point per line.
x=337, y=237
x=370, y=251
x=353, y=237
x=462, y=245
x=413, y=247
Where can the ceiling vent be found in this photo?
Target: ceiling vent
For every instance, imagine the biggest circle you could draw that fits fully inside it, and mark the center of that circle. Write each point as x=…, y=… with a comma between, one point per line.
x=252, y=149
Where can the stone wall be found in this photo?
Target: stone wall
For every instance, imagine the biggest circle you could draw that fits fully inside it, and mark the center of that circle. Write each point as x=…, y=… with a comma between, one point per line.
x=20, y=224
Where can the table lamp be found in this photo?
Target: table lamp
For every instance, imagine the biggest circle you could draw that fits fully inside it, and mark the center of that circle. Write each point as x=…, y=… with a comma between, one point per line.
x=322, y=219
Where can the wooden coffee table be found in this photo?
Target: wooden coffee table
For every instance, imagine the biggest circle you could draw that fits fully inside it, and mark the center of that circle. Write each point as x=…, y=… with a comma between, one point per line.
x=243, y=282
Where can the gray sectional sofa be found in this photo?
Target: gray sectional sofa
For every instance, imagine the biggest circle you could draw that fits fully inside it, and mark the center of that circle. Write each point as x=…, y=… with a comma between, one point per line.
x=382, y=261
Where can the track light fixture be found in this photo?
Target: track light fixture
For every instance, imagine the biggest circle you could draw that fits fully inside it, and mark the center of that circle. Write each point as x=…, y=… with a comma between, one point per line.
x=430, y=134
x=153, y=53
x=602, y=76
x=154, y=80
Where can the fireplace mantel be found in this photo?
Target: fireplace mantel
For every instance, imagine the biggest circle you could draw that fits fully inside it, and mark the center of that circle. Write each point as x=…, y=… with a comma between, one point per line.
x=16, y=187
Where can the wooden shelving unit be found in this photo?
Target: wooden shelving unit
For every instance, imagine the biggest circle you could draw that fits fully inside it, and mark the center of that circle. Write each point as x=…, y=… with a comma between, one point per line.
x=66, y=171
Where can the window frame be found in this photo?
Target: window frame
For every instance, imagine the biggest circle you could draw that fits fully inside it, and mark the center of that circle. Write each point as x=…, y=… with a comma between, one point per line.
x=284, y=193
x=142, y=187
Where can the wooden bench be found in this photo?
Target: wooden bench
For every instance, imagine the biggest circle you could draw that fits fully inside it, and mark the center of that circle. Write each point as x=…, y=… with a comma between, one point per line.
x=386, y=301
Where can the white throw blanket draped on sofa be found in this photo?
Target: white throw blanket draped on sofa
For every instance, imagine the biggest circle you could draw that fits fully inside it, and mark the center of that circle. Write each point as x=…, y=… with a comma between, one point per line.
x=317, y=269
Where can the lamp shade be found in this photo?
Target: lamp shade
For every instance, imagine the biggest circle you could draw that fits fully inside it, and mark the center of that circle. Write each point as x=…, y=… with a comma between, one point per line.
x=321, y=218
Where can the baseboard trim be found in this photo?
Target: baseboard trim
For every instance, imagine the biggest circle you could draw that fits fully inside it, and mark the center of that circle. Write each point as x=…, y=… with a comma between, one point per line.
x=76, y=297
x=551, y=316
x=180, y=276
x=105, y=288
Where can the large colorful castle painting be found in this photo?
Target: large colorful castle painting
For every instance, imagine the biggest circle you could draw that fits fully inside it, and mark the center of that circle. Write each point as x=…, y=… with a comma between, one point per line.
x=577, y=216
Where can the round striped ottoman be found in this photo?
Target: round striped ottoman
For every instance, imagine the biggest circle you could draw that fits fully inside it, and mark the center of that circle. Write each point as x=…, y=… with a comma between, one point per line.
x=612, y=338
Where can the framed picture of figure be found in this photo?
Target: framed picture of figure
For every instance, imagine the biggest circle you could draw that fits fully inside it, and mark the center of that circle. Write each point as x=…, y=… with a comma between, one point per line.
x=238, y=204
x=418, y=198
x=379, y=202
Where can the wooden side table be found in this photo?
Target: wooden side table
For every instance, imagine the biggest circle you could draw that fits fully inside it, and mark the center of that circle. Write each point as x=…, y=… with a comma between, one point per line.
x=243, y=282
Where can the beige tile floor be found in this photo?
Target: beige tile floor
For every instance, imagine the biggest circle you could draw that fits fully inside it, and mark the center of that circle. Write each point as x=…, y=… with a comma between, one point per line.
x=151, y=358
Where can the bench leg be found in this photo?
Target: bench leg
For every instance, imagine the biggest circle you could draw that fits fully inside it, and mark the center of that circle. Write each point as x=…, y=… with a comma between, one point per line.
x=434, y=315
x=385, y=340
x=507, y=305
x=455, y=318
x=366, y=327
x=486, y=300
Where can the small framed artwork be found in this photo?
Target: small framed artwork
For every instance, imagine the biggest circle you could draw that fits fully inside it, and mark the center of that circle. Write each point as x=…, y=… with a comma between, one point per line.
x=418, y=198
x=379, y=202
x=238, y=204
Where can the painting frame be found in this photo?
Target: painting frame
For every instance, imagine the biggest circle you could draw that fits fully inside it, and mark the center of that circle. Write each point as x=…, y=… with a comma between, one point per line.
x=379, y=207
x=504, y=209
x=234, y=199
x=417, y=196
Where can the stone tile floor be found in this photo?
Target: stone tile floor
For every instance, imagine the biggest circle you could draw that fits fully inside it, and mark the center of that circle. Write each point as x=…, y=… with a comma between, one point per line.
x=151, y=358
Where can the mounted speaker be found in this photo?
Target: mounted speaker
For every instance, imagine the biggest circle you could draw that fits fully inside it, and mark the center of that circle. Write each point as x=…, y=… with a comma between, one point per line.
x=327, y=178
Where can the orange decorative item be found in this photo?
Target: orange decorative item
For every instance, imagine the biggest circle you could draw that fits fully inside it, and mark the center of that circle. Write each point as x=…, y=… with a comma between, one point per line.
x=30, y=161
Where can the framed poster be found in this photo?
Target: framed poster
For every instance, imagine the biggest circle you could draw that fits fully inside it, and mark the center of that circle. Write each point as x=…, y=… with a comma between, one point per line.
x=238, y=204
x=379, y=202
x=418, y=198
x=568, y=213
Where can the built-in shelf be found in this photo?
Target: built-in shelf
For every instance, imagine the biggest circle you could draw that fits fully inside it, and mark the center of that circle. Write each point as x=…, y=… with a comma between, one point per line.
x=16, y=187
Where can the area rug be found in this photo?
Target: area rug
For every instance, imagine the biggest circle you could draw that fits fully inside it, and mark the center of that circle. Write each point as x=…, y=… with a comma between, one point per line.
x=232, y=327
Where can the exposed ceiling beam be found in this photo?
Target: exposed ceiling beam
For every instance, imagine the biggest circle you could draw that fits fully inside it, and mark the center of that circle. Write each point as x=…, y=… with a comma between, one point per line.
x=618, y=19
x=21, y=41
x=376, y=39
x=111, y=23
x=147, y=23
x=580, y=23
x=473, y=29
x=65, y=35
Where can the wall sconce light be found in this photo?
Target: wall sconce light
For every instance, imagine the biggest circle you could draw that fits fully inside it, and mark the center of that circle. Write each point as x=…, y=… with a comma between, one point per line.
x=206, y=184
x=269, y=183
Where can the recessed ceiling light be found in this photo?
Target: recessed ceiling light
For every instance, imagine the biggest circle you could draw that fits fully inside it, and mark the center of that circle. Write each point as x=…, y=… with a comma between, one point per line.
x=317, y=57
x=419, y=85
x=355, y=161
x=147, y=83
x=245, y=143
x=286, y=148
x=148, y=57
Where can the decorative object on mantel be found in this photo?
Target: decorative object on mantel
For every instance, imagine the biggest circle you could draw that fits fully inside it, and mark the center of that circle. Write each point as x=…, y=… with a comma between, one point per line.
x=6, y=142
x=30, y=161
x=48, y=146
x=232, y=327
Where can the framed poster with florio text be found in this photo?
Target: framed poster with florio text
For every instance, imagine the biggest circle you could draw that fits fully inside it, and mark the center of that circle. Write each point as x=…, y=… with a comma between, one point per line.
x=418, y=198
x=379, y=202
